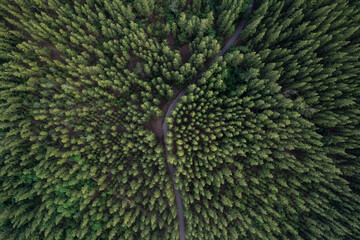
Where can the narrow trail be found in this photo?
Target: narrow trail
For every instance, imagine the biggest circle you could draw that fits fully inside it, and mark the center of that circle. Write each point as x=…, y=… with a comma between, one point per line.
x=172, y=106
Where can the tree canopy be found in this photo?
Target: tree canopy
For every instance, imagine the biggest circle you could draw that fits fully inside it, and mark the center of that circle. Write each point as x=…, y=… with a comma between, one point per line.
x=265, y=144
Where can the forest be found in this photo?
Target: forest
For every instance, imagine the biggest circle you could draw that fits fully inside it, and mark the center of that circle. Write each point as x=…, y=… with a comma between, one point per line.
x=265, y=144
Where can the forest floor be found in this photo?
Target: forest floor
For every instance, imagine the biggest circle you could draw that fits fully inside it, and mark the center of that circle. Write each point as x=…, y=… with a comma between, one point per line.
x=171, y=40
x=155, y=125
x=132, y=62
x=185, y=53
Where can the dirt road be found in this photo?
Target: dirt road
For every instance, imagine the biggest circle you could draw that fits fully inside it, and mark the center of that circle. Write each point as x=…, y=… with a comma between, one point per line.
x=172, y=106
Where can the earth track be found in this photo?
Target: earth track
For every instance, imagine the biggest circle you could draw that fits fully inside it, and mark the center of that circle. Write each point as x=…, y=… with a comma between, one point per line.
x=172, y=106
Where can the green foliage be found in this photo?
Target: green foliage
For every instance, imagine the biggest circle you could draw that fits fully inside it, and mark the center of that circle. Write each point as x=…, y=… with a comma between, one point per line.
x=265, y=144
x=229, y=13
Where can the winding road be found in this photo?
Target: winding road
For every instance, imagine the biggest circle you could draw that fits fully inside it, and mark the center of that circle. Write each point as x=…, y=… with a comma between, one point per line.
x=164, y=126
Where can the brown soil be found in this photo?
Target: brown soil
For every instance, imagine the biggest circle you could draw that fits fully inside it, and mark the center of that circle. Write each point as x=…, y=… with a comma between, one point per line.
x=155, y=124
x=185, y=53
x=171, y=40
x=132, y=62
x=289, y=151
x=296, y=153
x=55, y=54
x=152, y=19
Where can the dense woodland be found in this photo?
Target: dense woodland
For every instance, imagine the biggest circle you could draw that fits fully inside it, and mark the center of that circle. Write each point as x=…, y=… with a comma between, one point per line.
x=265, y=144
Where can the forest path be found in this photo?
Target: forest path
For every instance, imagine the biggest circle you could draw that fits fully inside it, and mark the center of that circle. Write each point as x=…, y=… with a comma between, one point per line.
x=172, y=106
